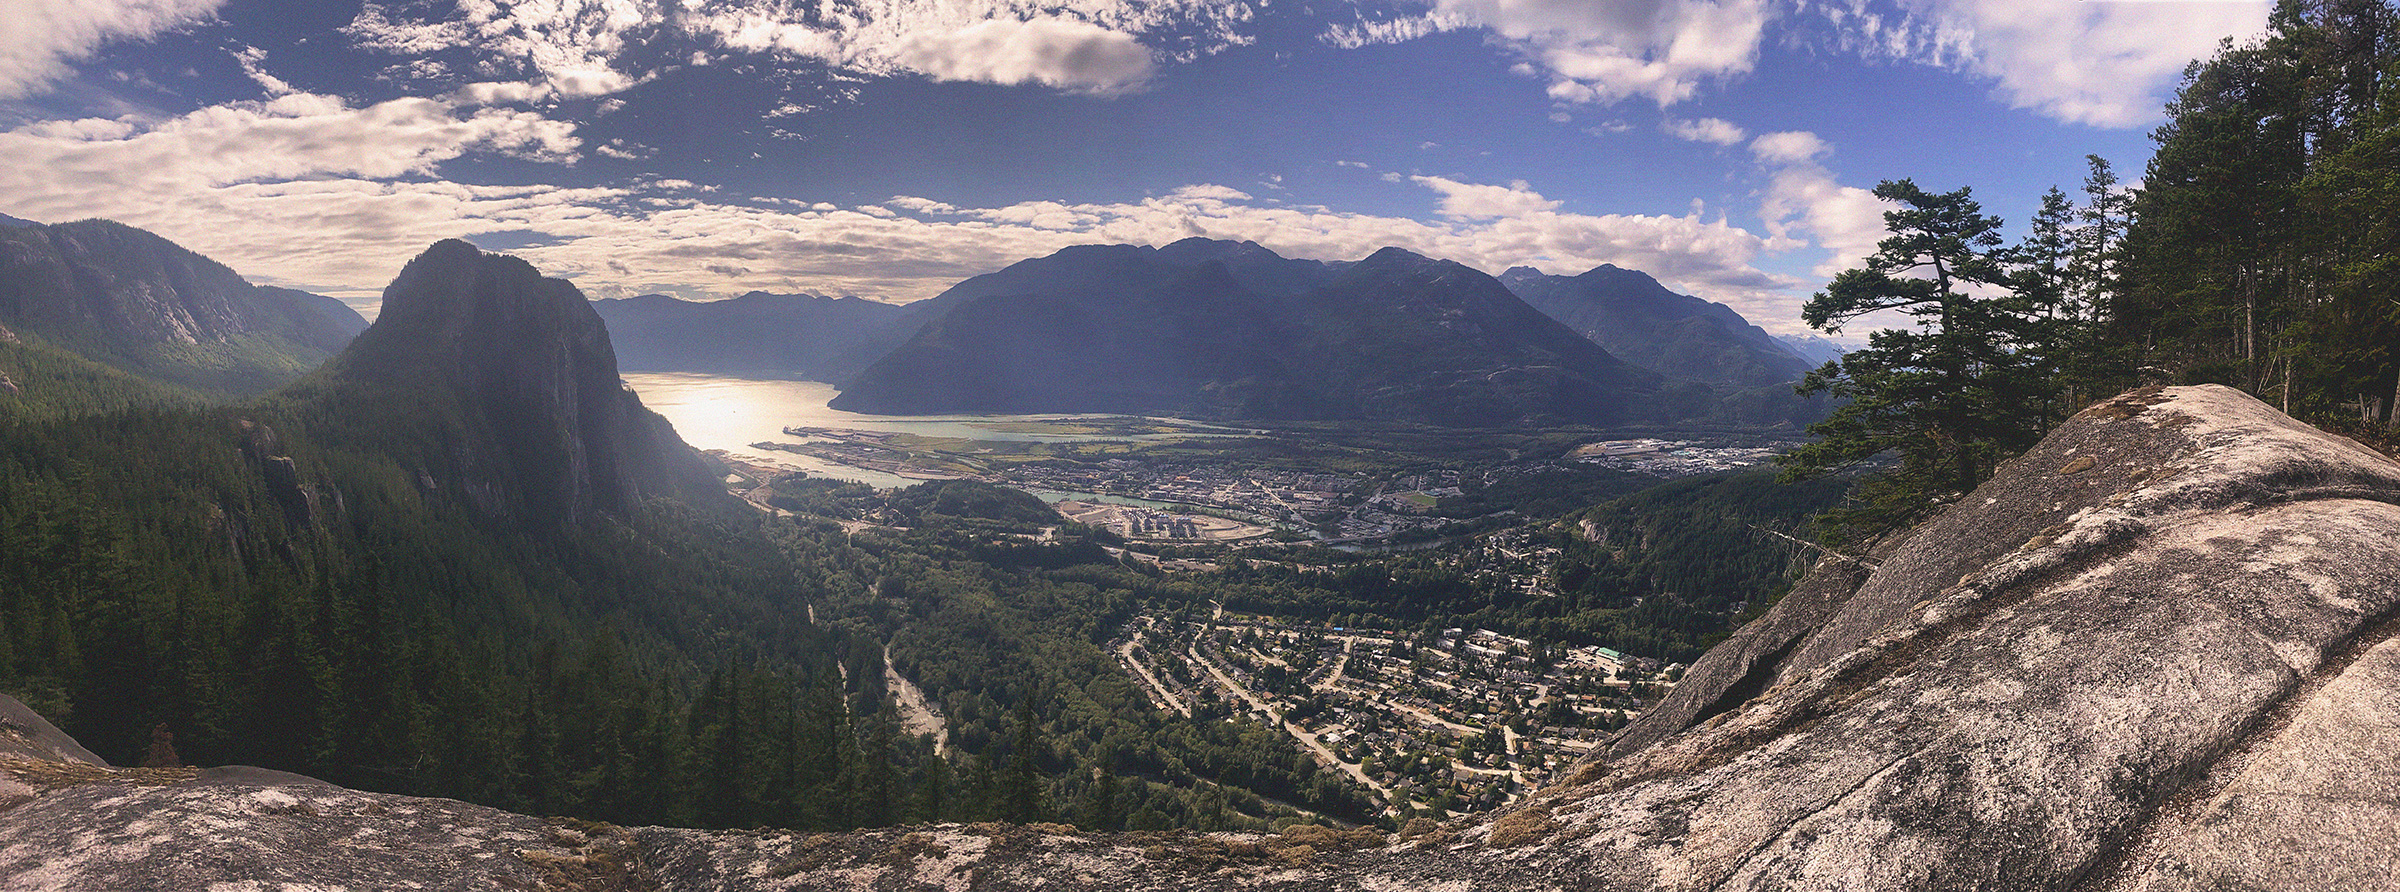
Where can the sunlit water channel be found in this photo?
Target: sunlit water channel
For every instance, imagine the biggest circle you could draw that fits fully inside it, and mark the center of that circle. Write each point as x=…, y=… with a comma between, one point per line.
x=720, y=412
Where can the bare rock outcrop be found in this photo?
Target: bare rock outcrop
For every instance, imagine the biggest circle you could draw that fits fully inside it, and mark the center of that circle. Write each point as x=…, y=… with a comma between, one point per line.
x=2159, y=651
x=508, y=384
x=25, y=734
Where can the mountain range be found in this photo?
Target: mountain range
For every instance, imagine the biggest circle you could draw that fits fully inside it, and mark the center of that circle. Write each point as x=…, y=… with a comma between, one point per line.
x=1223, y=329
x=758, y=334
x=1818, y=351
x=138, y=303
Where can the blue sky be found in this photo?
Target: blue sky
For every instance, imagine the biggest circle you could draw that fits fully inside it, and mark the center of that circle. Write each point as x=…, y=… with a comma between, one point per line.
x=888, y=148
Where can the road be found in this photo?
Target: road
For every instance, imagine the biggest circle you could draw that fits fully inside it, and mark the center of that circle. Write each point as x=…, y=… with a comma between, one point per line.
x=917, y=715
x=1150, y=682
x=1507, y=733
x=1315, y=747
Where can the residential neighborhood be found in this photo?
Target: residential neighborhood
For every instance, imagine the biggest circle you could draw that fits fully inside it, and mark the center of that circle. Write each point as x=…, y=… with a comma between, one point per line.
x=1439, y=722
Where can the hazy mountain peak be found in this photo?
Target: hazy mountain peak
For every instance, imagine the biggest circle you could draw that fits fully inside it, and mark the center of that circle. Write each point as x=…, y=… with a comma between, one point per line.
x=1393, y=255
x=760, y=333
x=1199, y=249
x=1642, y=321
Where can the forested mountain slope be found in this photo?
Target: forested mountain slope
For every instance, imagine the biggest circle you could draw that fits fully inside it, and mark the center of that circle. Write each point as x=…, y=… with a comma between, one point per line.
x=129, y=299
x=459, y=560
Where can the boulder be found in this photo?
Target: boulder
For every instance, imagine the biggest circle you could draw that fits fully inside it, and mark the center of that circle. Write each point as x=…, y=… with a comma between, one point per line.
x=25, y=734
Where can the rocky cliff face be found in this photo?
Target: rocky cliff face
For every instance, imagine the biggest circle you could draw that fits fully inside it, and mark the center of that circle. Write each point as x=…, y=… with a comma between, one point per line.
x=131, y=299
x=502, y=385
x=2159, y=651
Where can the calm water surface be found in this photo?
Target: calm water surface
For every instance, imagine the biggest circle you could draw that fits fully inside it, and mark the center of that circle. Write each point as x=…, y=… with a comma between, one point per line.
x=720, y=412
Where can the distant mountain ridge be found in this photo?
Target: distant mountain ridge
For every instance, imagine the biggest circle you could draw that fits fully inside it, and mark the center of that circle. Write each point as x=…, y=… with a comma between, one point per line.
x=1232, y=330
x=1818, y=351
x=1124, y=328
x=130, y=299
x=1642, y=322
x=757, y=334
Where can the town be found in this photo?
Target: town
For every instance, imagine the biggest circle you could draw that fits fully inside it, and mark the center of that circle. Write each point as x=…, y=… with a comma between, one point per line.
x=1203, y=496
x=1439, y=722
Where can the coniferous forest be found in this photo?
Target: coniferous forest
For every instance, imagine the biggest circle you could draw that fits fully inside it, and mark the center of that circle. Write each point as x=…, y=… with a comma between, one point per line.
x=2257, y=251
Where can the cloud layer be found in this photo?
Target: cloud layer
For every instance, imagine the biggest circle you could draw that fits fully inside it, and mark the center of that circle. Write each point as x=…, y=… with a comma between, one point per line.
x=580, y=47
x=307, y=191
x=2107, y=64
x=1598, y=51
x=42, y=36
x=2104, y=64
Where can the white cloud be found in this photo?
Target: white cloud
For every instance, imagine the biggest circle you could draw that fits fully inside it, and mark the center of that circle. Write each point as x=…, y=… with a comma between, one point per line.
x=622, y=150
x=500, y=93
x=374, y=29
x=593, y=80
x=580, y=47
x=1788, y=147
x=308, y=192
x=1844, y=221
x=1471, y=201
x=2101, y=63
x=1600, y=51
x=253, y=62
x=2104, y=64
x=569, y=45
x=68, y=170
x=1213, y=192
x=1716, y=131
x=1352, y=36
x=1804, y=204
x=42, y=36
x=1051, y=51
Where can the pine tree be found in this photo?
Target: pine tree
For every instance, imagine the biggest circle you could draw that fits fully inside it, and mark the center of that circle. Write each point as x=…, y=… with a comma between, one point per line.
x=1102, y=805
x=1021, y=799
x=1948, y=396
